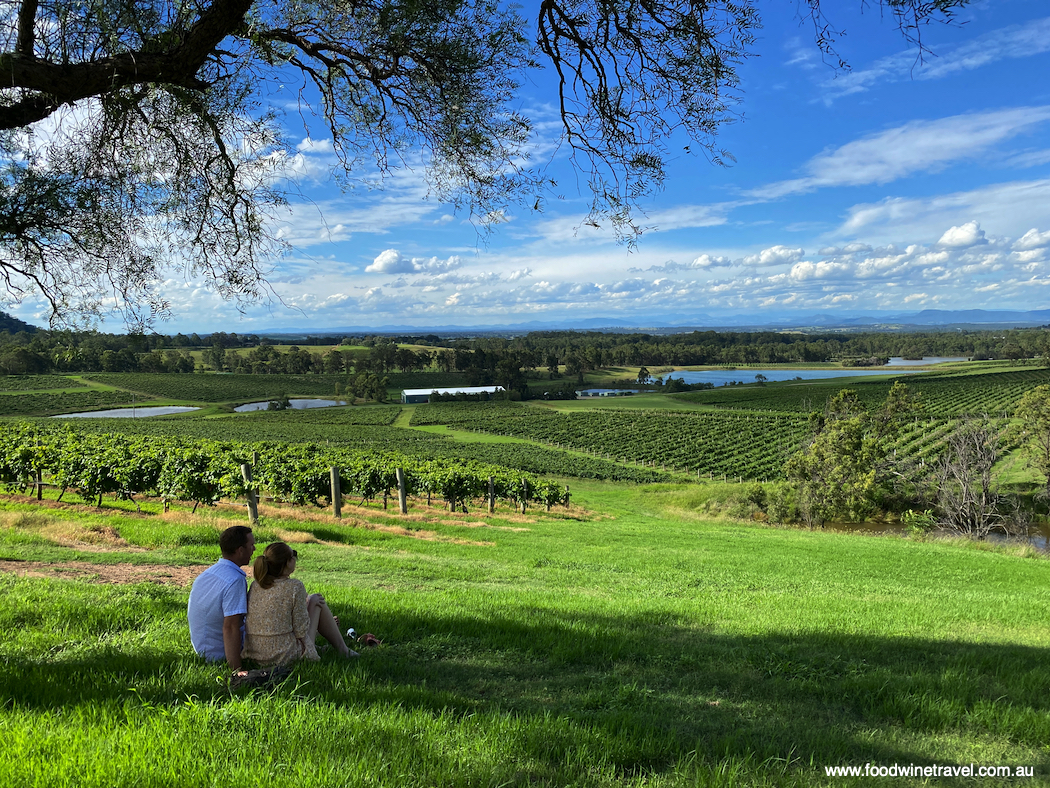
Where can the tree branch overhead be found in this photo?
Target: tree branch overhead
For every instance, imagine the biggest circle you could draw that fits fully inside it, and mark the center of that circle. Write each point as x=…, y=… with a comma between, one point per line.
x=142, y=130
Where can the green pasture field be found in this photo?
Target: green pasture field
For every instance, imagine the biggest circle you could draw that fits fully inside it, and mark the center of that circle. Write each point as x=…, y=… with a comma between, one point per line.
x=356, y=351
x=623, y=642
x=284, y=347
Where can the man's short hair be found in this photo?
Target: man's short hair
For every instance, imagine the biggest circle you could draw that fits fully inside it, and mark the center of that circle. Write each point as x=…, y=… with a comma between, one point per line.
x=234, y=538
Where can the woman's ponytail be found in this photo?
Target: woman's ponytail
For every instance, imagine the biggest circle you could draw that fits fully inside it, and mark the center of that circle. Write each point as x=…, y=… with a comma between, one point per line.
x=270, y=565
x=261, y=572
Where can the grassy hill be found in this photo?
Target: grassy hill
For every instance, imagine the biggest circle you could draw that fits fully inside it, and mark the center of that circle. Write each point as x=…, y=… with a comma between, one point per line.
x=623, y=642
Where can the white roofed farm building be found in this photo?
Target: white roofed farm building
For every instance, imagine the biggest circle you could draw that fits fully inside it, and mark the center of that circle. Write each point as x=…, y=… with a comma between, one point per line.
x=413, y=396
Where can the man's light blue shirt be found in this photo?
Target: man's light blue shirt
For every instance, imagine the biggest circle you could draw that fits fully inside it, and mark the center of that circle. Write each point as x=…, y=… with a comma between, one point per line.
x=220, y=590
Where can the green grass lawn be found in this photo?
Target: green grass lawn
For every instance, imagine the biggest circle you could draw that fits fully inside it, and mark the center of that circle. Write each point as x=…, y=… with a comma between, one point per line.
x=622, y=642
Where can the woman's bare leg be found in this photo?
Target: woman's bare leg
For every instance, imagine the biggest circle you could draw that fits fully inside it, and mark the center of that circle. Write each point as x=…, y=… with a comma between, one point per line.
x=313, y=609
x=323, y=623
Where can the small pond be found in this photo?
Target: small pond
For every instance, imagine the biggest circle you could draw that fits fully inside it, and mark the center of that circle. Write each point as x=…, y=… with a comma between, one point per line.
x=295, y=404
x=128, y=413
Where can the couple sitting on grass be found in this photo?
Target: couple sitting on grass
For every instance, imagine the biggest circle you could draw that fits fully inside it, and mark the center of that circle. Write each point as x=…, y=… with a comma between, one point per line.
x=275, y=623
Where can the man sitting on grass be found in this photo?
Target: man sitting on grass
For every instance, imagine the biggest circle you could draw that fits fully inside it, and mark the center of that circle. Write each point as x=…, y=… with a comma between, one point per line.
x=219, y=600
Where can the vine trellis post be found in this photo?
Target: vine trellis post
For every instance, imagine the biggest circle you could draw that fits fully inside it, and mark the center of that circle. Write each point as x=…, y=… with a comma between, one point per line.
x=337, y=496
x=402, y=494
x=253, y=503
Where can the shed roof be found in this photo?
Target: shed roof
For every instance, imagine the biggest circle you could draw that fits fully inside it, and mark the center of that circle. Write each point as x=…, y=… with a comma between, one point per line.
x=455, y=390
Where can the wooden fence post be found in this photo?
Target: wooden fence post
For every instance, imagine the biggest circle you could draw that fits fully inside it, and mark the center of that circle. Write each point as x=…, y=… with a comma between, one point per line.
x=337, y=493
x=524, y=495
x=402, y=495
x=567, y=496
x=253, y=503
x=492, y=495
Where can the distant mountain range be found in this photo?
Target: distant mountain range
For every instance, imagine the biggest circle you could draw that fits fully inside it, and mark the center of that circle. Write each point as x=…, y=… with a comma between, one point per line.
x=926, y=320
x=973, y=319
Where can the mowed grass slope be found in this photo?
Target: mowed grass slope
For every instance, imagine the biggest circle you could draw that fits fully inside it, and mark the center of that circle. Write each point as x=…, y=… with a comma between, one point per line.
x=617, y=644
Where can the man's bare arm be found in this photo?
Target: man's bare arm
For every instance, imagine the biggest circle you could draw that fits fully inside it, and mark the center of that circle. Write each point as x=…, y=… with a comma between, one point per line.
x=231, y=639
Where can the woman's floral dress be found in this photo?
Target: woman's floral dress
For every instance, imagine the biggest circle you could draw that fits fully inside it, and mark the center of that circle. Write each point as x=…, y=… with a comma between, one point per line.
x=276, y=627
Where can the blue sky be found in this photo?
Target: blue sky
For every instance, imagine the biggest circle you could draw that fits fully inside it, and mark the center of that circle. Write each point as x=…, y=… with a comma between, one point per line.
x=897, y=186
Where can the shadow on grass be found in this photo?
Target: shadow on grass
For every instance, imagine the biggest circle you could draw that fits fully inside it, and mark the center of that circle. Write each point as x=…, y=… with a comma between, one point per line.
x=812, y=695
x=647, y=689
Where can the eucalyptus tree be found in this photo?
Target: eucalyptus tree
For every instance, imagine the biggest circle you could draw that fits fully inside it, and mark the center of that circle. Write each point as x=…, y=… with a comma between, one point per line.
x=1033, y=411
x=846, y=466
x=142, y=137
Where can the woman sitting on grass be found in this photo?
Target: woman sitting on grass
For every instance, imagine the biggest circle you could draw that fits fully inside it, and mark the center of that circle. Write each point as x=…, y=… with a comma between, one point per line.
x=282, y=621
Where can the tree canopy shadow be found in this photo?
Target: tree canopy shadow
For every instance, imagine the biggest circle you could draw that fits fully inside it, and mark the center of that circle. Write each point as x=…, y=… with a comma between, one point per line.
x=648, y=687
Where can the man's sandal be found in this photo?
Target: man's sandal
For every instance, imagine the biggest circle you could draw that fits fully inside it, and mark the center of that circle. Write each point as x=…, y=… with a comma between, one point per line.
x=259, y=678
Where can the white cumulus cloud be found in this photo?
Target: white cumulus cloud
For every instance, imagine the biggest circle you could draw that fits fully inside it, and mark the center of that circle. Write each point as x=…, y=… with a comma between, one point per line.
x=391, y=261
x=315, y=146
x=707, y=261
x=1033, y=239
x=825, y=269
x=963, y=236
x=775, y=255
x=1011, y=208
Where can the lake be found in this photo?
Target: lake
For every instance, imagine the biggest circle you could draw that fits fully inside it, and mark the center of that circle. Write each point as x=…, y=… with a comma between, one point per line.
x=721, y=377
x=897, y=361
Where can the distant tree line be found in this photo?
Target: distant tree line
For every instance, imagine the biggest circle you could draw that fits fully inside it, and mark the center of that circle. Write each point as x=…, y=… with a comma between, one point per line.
x=510, y=362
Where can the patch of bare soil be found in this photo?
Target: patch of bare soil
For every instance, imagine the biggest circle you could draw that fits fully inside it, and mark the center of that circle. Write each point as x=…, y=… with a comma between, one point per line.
x=48, y=503
x=110, y=574
x=427, y=536
x=368, y=525
x=480, y=524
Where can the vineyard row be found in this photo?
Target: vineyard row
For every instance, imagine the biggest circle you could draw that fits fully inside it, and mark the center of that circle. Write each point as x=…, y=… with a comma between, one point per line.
x=206, y=471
